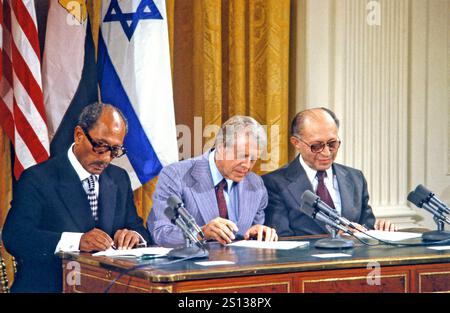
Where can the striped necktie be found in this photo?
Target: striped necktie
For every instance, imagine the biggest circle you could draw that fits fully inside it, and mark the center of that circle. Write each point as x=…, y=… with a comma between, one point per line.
x=92, y=196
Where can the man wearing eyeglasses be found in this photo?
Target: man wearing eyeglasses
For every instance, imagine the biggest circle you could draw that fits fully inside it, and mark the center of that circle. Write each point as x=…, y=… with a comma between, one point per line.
x=75, y=201
x=314, y=134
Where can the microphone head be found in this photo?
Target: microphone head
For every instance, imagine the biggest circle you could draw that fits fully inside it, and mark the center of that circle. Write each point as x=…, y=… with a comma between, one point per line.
x=310, y=198
x=173, y=201
x=170, y=214
x=416, y=199
x=423, y=193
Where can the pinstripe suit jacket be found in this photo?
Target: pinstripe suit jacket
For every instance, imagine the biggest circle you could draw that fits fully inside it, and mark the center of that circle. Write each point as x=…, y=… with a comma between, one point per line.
x=192, y=182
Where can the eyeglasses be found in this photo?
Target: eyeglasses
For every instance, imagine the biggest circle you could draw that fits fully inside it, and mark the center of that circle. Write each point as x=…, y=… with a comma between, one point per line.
x=100, y=148
x=318, y=147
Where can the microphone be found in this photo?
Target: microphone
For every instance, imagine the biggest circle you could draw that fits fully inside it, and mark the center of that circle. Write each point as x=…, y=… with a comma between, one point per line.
x=178, y=206
x=431, y=197
x=311, y=199
x=325, y=219
x=310, y=207
x=175, y=219
x=417, y=199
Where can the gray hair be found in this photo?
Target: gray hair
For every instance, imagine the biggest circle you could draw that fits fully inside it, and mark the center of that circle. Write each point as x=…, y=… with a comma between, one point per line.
x=241, y=125
x=91, y=113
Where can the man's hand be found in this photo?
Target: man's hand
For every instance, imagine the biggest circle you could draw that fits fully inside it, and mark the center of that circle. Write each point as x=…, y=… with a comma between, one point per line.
x=261, y=232
x=126, y=239
x=385, y=225
x=95, y=240
x=220, y=229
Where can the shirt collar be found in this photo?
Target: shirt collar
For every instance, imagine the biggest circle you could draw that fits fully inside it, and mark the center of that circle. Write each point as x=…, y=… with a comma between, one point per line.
x=81, y=172
x=311, y=173
x=216, y=175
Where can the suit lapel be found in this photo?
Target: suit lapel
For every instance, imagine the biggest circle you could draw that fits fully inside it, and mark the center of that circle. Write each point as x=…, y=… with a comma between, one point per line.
x=107, y=202
x=299, y=184
x=203, y=190
x=73, y=195
x=346, y=191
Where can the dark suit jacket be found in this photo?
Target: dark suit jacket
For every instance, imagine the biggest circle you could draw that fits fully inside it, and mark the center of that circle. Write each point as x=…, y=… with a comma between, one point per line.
x=286, y=185
x=48, y=200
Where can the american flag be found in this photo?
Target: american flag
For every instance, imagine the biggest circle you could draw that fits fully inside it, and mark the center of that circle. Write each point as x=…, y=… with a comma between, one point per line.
x=22, y=112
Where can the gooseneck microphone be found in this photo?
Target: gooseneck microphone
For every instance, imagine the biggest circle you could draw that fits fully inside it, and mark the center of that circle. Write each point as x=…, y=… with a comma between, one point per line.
x=431, y=198
x=178, y=215
x=314, y=207
x=187, y=232
x=422, y=202
x=178, y=206
x=423, y=198
x=313, y=200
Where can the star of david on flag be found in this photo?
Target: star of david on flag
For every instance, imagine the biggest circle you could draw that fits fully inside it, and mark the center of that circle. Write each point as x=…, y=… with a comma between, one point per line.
x=147, y=10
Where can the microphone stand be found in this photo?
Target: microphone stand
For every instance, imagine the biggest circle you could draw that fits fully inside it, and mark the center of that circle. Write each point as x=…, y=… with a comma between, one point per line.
x=189, y=250
x=334, y=242
x=436, y=235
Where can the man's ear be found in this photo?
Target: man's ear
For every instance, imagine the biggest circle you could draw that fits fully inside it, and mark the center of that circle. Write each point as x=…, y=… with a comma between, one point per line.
x=294, y=141
x=78, y=134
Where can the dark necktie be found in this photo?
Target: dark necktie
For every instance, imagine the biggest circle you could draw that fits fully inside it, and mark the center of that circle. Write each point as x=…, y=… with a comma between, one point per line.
x=322, y=190
x=221, y=203
x=92, y=196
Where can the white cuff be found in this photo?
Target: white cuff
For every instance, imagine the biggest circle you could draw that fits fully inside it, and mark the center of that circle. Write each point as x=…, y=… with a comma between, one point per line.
x=142, y=242
x=69, y=242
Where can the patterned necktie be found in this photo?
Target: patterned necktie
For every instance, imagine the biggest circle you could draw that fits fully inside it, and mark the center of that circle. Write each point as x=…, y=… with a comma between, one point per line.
x=322, y=190
x=92, y=196
x=222, y=204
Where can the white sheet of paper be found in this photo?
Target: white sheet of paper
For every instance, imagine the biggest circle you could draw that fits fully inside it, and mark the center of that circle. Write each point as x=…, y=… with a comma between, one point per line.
x=331, y=255
x=214, y=263
x=440, y=248
x=278, y=245
x=138, y=252
x=390, y=235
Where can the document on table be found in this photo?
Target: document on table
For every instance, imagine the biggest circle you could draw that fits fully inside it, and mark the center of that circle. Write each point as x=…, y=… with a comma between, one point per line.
x=278, y=245
x=214, y=263
x=389, y=235
x=331, y=255
x=138, y=252
x=439, y=248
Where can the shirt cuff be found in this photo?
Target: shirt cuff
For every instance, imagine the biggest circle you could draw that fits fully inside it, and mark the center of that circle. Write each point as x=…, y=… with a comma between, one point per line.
x=69, y=242
x=142, y=243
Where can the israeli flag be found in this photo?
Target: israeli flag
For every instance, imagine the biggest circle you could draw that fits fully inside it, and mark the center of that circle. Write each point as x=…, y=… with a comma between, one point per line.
x=135, y=76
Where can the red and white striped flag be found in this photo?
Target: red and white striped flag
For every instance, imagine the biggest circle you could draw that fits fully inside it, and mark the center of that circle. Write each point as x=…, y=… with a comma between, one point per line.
x=22, y=112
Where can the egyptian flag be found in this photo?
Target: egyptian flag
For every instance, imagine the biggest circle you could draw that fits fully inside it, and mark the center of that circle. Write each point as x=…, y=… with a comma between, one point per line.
x=69, y=70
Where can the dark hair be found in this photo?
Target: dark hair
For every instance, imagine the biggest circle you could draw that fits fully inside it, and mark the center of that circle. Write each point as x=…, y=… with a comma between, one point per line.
x=299, y=119
x=91, y=113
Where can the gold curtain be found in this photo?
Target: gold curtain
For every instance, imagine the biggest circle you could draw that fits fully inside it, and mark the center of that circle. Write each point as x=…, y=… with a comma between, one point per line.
x=6, y=261
x=232, y=57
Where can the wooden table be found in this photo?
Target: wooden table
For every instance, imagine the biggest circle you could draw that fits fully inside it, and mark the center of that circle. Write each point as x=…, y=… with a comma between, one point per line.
x=379, y=268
